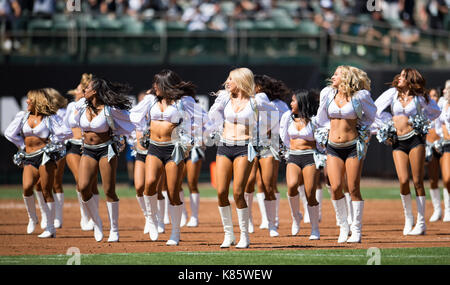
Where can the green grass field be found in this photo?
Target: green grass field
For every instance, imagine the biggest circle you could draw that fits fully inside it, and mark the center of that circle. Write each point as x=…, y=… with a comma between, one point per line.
x=407, y=256
x=124, y=192
x=400, y=256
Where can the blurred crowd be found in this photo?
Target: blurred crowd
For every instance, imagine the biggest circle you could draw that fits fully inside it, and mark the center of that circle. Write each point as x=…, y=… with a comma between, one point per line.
x=210, y=14
x=400, y=21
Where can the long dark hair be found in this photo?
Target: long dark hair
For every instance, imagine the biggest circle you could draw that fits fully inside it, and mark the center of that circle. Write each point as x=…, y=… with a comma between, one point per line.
x=109, y=93
x=415, y=83
x=274, y=88
x=308, y=103
x=171, y=86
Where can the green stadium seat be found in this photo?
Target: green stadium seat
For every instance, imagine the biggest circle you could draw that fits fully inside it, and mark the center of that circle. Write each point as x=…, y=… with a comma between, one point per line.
x=40, y=25
x=308, y=27
x=264, y=25
x=176, y=26
x=135, y=28
x=284, y=24
x=227, y=7
x=108, y=23
x=290, y=6
x=244, y=25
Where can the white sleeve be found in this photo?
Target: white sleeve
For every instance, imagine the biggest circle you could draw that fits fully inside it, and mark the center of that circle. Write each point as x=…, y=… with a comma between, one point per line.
x=321, y=119
x=431, y=110
x=59, y=130
x=368, y=107
x=13, y=131
x=122, y=122
x=79, y=107
x=215, y=114
x=284, y=126
x=268, y=114
x=385, y=100
x=138, y=114
x=198, y=117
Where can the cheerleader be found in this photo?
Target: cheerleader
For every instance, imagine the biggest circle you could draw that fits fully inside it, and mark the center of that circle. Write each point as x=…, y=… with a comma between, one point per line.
x=297, y=134
x=411, y=112
x=265, y=167
x=102, y=117
x=38, y=133
x=443, y=130
x=167, y=114
x=74, y=150
x=432, y=158
x=345, y=113
x=61, y=103
x=234, y=116
x=193, y=165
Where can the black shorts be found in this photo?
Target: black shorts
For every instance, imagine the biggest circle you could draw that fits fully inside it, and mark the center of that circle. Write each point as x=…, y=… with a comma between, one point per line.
x=301, y=160
x=73, y=148
x=97, y=154
x=34, y=161
x=407, y=145
x=140, y=157
x=446, y=148
x=232, y=151
x=164, y=153
x=343, y=153
x=436, y=154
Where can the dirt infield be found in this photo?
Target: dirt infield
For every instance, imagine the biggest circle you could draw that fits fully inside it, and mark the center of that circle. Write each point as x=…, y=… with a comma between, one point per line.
x=382, y=228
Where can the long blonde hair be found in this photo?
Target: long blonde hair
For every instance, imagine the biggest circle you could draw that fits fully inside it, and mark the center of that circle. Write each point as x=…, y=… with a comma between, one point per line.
x=86, y=78
x=42, y=102
x=353, y=79
x=57, y=99
x=244, y=79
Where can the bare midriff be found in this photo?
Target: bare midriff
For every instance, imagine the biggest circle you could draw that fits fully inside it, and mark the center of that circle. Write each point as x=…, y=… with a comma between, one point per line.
x=300, y=144
x=342, y=130
x=161, y=131
x=76, y=133
x=33, y=144
x=93, y=138
x=432, y=136
x=401, y=125
x=236, y=132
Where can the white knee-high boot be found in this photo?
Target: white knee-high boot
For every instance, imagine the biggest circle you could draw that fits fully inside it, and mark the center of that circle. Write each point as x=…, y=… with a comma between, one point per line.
x=141, y=202
x=91, y=208
x=348, y=200
x=319, y=198
x=160, y=216
x=49, y=213
x=340, y=208
x=270, y=210
x=420, y=228
x=227, y=222
x=436, y=200
x=277, y=207
x=407, y=210
x=31, y=210
x=244, y=240
x=41, y=202
x=166, y=207
x=113, y=214
x=175, y=217
x=249, y=200
x=446, y=206
x=314, y=219
x=356, y=227
x=294, y=204
x=151, y=204
x=85, y=223
x=302, y=195
x=264, y=222
x=184, y=214
x=195, y=203
x=59, y=205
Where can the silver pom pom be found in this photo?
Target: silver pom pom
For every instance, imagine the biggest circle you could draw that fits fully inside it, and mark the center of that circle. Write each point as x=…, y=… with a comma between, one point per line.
x=18, y=158
x=321, y=136
x=387, y=133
